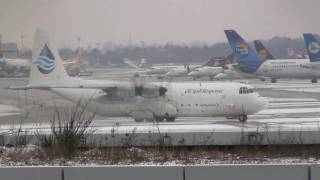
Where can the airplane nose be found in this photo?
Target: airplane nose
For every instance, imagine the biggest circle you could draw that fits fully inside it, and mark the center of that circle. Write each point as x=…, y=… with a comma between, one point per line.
x=262, y=103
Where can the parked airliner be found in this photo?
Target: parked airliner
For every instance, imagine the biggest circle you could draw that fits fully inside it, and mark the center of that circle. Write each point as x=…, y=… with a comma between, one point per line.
x=206, y=71
x=148, y=101
x=249, y=61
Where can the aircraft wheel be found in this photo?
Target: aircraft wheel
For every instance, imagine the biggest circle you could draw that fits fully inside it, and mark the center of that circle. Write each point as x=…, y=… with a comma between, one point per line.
x=273, y=80
x=149, y=120
x=243, y=118
x=170, y=119
x=314, y=80
x=263, y=79
x=159, y=119
x=138, y=120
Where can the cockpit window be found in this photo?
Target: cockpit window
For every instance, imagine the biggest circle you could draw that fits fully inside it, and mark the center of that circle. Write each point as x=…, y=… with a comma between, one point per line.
x=245, y=90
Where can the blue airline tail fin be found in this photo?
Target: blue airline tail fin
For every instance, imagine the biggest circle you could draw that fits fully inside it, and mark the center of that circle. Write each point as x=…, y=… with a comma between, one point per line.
x=1, y=53
x=247, y=58
x=313, y=47
x=262, y=50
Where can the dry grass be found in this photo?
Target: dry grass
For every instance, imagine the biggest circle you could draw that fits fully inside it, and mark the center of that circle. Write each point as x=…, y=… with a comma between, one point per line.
x=180, y=155
x=69, y=130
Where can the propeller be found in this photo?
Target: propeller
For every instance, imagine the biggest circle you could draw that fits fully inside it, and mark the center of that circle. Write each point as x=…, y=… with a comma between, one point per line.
x=143, y=88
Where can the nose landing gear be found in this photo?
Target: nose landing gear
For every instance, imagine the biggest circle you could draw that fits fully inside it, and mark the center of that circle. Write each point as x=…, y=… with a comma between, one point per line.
x=243, y=118
x=314, y=80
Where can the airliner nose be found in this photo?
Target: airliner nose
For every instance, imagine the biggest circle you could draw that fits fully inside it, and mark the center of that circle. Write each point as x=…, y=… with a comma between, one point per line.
x=261, y=103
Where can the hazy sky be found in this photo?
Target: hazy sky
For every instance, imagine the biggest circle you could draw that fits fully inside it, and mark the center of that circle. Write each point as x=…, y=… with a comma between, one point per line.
x=156, y=21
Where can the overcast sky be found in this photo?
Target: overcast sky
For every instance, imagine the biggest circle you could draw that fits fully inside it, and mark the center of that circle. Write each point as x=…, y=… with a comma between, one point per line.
x=156, y=21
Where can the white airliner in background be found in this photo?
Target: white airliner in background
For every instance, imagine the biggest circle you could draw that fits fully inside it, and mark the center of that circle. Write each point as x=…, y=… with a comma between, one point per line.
x=250, y=62
x=13, y=66
x=129, y=63
x=210, y=69
x=206, y=71
x=141, y=101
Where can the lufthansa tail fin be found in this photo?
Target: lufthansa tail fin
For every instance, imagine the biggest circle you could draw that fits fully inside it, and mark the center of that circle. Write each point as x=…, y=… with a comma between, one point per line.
x=247, y=58
x=1, y=52
x=313, y=47
x=47, y=67
x=262, y=50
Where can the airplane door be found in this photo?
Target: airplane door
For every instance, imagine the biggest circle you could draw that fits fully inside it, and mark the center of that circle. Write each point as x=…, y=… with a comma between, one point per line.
x=265, y=69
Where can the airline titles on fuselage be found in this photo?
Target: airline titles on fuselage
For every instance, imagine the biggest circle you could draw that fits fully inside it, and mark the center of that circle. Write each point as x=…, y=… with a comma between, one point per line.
x=204, y=91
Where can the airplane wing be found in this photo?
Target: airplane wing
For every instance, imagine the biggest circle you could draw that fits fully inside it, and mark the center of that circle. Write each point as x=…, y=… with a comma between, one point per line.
x=140, y=89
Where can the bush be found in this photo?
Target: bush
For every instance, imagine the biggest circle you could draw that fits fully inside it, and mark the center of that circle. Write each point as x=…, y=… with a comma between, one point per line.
x=69, y=129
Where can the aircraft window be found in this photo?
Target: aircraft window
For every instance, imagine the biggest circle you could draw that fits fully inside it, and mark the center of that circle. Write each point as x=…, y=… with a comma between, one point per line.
x=189, y=104
x=245, y=90
x=181, y=105
x=240, y=91
x=197, y=105
x=138, y=91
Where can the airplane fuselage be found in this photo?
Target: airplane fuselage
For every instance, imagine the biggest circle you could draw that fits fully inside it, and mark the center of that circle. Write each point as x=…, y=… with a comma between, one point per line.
x=206, y=71
x=293, y=68
x=288, y=68
x=181, y=99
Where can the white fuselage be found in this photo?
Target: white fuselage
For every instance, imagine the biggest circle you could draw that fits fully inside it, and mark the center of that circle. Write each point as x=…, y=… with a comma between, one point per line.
x=181, y=99
x=288, y=68
x=177, y=72
x=206, y=71
x=18, y=63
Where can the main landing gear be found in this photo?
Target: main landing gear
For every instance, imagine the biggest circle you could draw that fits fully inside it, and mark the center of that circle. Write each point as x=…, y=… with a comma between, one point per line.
x=243, y=118
x=273, y=80
x=138, y=120
x=314, y=80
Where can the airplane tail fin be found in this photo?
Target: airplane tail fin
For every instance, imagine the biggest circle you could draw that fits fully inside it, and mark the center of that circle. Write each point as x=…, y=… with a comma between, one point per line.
x=47, y=67
x=313, y=47
x=211, y=62
x=262, y=50
x=78, y=58
x=143, y=63
x=248, y=59
x=1, y=52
